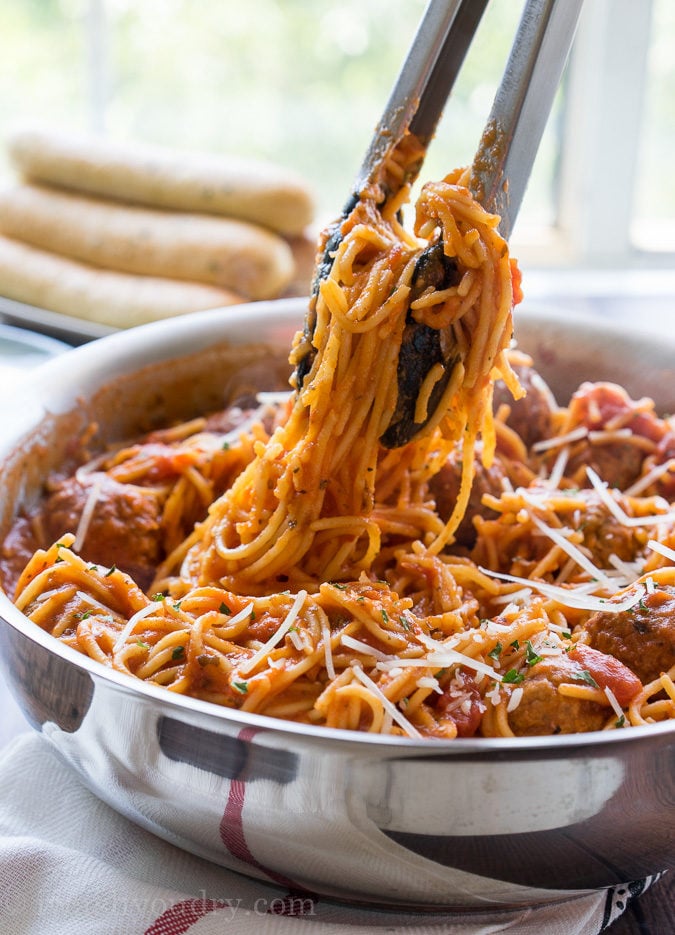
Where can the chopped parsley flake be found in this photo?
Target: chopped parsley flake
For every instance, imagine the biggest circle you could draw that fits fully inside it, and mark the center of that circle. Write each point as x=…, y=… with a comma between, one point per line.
x=531, y=657
x=515, y=644
x=142, y=644
x=621, y=721
x=158, y=597
x=178, y=652
x=585, y=676
x=224, y=609
x=385, y=615
x=513, y=676
x=226, y=446
x=111, y=571
x=405, y=623
x=340, y=587
x=496, y=652
x=241, y=687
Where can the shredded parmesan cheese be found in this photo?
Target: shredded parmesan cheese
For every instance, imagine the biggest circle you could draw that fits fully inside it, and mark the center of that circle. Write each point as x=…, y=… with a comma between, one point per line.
x=574, y=436
x=607, y=436
x=558, y=469
x=87, y=514
x=611, y=697
x=291, y=617
x=662, y=549
x=274, y=399
x=573, y=552
x=515, y=699
x=296, y=639
x=327, y=649
x=131, y=625
x=648, y=479
x=362, y=647
x=620, y=515
x=388, y=705
x=428, y=681
x=576, y=597
x=242, y=615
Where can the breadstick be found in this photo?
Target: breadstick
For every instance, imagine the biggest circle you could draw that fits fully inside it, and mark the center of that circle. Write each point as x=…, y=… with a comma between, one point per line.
x=121, y=300
x=233, y=254
x=151, y=175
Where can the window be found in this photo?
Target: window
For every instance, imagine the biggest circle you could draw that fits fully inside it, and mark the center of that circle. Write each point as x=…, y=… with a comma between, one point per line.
x=304, y=83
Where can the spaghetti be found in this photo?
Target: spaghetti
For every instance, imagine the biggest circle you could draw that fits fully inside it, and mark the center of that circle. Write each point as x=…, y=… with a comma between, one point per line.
x=475, y=580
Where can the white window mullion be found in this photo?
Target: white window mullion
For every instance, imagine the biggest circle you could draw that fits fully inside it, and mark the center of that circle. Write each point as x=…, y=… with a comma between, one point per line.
x=602, y=132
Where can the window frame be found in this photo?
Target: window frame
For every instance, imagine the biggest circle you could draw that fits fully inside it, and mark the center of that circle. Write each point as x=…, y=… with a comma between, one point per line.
x=605, y=87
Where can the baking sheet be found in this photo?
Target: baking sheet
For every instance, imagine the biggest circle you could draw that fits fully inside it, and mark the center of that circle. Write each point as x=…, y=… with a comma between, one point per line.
x=63, y=327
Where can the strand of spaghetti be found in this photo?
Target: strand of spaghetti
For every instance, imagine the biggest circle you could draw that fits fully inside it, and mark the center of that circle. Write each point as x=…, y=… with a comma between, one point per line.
x=400, y=719
x=372, y=701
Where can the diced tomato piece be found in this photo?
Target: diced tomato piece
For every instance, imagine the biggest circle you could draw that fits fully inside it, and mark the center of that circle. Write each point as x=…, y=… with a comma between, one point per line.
x=467, y=715
x=608, y=672
x=516, y=281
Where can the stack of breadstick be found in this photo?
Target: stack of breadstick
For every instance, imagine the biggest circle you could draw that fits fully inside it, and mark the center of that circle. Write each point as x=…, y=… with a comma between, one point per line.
x=122, y=234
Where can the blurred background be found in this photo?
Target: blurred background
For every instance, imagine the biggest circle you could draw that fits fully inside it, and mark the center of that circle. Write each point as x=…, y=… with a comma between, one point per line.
x=303, y=83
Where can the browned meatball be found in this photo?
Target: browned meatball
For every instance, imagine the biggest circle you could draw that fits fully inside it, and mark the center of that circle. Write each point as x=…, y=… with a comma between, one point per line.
x=444, y=488
x=531, y=416
x=606, y=406
x=124, y=529
x=543, y=710
x=618, y=463
x=604, y=535
x=643, y=638
x=227, y=420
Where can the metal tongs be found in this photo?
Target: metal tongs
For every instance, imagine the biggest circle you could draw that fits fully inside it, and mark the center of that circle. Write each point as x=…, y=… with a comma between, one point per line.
x=500, y=169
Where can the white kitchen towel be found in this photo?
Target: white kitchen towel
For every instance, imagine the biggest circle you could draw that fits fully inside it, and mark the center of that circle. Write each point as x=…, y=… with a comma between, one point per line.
x=70, y=865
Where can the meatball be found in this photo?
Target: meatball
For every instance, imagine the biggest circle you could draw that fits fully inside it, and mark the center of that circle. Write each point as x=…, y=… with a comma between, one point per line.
x=444, y=488
x=125, y=525
x=532, y=415
x=544, y=710
x=235, y=416
x=604, y=535
x=606, y=406
x=618, y=463
x=643, y=638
